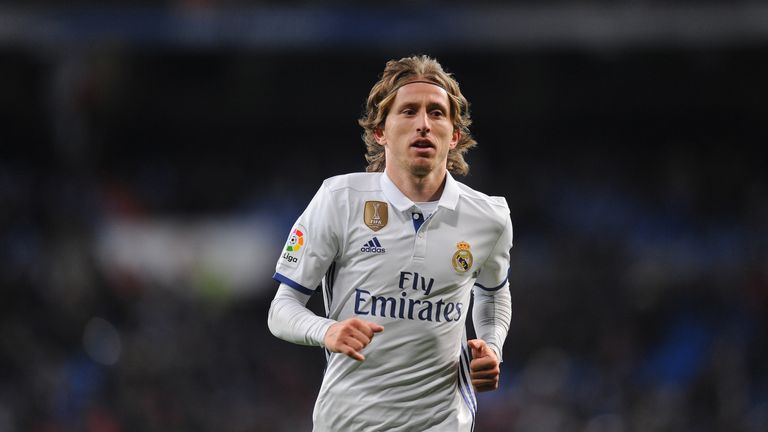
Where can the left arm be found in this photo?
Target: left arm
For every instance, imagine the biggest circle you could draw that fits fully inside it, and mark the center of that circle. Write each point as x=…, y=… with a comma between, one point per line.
x=491, y=314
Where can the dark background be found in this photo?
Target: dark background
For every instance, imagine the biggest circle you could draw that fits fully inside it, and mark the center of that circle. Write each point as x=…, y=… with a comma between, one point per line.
x=153, y=158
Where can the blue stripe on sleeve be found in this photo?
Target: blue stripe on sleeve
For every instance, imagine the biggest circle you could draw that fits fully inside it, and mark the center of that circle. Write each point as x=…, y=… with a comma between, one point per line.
x=463, y=391
x=496, y=288
x=465, y=384
x=298, y=287
x=468, y=376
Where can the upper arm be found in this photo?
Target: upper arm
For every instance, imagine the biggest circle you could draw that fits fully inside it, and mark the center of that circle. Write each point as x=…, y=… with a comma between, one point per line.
x=493, y=274
x=314, y=241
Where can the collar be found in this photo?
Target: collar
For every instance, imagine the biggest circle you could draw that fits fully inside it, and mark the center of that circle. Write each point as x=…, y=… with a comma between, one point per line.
x=449, y=199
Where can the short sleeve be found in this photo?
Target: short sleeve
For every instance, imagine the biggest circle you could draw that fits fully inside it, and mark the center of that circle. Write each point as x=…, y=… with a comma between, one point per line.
x=493, y=275
x=312, y=244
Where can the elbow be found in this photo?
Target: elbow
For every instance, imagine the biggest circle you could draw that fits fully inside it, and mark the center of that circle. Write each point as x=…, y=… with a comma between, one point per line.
x=272, y=324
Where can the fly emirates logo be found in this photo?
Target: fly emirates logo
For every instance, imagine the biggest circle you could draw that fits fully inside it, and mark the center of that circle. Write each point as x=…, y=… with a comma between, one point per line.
x=408, y=305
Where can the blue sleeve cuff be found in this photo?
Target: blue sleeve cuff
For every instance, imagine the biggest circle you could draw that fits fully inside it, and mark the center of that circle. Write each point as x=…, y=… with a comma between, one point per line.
x=297, y=286
x=496, y=288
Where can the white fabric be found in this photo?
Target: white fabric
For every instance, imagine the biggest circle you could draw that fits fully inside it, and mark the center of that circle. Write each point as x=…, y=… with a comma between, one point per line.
x=427, y=208
x=290, y=320
x=415, y=376
x=491, y=314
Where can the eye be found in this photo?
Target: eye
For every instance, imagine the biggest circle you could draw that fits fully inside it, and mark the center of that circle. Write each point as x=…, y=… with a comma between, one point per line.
x=408, y=111
x=437, y=113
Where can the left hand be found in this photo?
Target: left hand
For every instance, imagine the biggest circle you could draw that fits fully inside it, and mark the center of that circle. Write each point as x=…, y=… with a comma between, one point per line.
x=484, y=367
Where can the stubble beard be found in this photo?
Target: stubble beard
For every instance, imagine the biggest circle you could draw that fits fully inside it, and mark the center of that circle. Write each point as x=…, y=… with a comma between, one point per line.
x=421, y=168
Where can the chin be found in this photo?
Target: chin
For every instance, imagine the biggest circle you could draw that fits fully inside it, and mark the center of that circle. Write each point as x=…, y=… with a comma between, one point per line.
x=421, y=170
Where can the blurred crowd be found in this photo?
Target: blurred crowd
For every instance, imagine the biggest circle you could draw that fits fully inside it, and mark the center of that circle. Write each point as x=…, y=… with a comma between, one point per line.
x=636, y=182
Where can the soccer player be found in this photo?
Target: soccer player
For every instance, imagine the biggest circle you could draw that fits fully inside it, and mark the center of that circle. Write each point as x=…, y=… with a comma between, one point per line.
x=399, y=251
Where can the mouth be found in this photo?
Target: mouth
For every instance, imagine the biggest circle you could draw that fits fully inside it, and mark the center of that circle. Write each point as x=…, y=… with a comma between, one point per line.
x=422, y=143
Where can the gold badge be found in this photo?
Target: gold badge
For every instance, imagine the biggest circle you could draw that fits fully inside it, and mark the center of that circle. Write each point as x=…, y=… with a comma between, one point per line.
x=462, y=259
x=376, y=215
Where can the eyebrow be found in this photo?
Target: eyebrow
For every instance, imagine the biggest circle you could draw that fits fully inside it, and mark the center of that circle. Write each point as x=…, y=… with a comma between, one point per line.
x=430, y=106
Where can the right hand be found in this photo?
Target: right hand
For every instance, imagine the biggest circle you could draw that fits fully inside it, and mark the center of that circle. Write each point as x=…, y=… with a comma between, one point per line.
x=350, y=337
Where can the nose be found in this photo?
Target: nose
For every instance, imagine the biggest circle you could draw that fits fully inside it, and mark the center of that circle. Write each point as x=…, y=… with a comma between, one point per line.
x=423, y=126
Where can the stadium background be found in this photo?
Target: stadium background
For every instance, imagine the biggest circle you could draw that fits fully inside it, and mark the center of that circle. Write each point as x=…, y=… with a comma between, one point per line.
x=153, y=157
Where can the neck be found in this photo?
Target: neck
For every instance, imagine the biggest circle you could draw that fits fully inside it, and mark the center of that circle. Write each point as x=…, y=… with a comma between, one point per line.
x=417, y=188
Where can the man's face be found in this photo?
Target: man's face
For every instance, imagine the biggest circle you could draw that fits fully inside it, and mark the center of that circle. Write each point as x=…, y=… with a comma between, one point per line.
x=418, y=131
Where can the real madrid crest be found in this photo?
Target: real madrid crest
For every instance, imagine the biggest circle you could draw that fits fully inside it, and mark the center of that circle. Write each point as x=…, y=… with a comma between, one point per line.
x=376, y=215
x=462, y=258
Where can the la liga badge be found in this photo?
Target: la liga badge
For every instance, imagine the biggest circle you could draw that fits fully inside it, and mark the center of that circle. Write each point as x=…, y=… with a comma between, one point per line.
x=294, y=246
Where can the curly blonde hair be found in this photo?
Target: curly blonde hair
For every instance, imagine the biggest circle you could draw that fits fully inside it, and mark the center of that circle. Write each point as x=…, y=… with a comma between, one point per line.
x=398, y=73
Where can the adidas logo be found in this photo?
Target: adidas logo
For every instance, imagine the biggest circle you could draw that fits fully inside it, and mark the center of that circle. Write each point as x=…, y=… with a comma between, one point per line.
x=373, y=246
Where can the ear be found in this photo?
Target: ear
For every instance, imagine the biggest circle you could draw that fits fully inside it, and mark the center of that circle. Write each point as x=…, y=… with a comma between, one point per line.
x=455, y=138
x=378, y=135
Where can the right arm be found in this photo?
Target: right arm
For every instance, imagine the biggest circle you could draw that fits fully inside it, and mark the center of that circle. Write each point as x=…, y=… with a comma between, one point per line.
x=312, y=246
x=290, y=320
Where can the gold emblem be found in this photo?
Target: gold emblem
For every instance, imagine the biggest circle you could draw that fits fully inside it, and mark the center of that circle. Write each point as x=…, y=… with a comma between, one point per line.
x=462, y=258
x=375, y=215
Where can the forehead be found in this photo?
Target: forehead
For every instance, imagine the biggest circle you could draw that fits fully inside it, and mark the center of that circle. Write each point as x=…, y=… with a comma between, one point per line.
x=420, y=92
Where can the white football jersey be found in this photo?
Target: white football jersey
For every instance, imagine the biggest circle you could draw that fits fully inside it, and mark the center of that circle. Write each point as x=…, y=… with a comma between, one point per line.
x=379, y=260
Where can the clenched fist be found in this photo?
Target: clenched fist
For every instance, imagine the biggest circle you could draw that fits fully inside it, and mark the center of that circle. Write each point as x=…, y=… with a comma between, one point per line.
x=350, y=337
x=484, y=367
